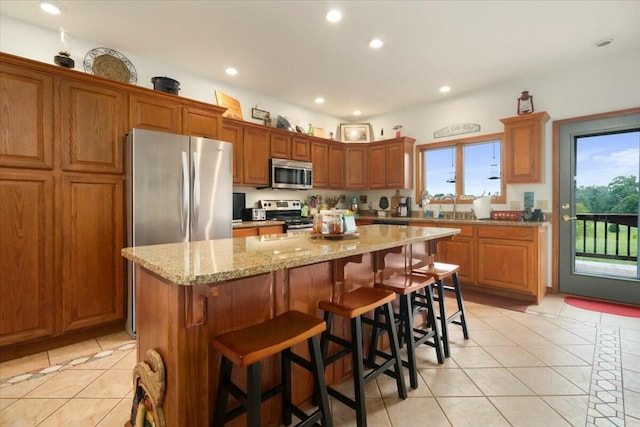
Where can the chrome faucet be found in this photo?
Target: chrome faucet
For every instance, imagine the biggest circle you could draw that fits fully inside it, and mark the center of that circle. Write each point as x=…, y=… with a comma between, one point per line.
x=454, y=199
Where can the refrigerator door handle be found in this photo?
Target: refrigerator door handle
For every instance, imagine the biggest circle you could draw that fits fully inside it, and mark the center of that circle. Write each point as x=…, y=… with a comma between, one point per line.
x=184, y=185
x=195, y=209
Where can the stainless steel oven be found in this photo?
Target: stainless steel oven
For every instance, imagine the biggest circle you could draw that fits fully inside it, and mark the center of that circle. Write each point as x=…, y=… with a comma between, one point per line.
x=291, y=174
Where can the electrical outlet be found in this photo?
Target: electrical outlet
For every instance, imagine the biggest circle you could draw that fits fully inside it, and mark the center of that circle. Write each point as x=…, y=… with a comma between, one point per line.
x=542, y=204
x=515, y=205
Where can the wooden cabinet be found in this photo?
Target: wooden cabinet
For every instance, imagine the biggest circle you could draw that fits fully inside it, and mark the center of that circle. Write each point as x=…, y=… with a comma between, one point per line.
x=198, y=121
x=503, y=260
x=155, y=113
x=26, y=119
x=377, y=166
x=280, y=145
x=391, y=164
x=356, y=166
x=300, y=148
x=320, y=160
x=92, y=237
x=513, y=259
x=336, y=165
x=524, y=147
x=27, y=249
x=234, y=133
x=256, y=151
x=93, y=127
x=258, y=231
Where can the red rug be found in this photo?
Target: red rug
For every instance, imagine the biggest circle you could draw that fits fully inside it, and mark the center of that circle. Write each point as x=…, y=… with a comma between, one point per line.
x=604, y=307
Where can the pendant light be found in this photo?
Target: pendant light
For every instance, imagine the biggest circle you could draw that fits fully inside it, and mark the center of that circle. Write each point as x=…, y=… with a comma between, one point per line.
x=494, y=173
x=452, y=172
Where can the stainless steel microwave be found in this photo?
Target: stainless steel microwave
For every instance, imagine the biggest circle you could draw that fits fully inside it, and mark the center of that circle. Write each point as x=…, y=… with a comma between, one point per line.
x=291, y=174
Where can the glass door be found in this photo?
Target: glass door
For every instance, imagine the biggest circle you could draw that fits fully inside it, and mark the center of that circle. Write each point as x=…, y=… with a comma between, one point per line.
x=599, y=165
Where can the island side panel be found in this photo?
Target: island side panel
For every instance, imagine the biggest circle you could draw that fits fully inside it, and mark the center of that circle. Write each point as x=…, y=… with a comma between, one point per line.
x=161, y=325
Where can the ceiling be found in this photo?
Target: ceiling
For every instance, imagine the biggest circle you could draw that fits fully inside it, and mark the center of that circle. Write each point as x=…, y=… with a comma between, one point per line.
x=286, y=49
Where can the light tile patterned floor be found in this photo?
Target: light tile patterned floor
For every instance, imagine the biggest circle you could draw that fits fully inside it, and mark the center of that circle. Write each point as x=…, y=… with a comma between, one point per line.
x=554, y=366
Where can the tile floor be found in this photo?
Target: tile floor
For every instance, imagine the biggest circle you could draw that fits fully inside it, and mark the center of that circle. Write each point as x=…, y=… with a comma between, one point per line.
x=553, y=366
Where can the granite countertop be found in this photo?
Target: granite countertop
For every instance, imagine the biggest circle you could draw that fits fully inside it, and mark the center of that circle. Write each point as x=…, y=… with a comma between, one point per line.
x=211, y=261
x=453, y=222
x=249, y=224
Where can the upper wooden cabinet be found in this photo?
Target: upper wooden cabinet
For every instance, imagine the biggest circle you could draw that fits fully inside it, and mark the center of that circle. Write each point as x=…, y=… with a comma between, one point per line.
x=336, y=165
x=198, y=121
x=320, y=160
x=26, y=119
x=93, y=124
x=356, y=166
x=280, y=145
x=256, y=152
x=234, y=132
x=391, y=164
x=154, y=113
x=300, y=148
x=524, y=147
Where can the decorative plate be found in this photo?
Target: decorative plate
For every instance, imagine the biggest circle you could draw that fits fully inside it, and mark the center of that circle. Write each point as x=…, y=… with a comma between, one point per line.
x=111, y=64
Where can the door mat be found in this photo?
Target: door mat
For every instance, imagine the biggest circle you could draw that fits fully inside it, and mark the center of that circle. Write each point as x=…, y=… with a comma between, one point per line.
x=494, y=301
x=603, y=306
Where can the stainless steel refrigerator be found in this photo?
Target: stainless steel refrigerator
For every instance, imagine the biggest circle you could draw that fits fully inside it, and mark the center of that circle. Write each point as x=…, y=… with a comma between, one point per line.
x=179, y=189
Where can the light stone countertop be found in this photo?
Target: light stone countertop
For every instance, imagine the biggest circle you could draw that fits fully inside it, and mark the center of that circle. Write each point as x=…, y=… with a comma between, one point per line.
x=249, y=224
x=453, y=222
x=211, y=261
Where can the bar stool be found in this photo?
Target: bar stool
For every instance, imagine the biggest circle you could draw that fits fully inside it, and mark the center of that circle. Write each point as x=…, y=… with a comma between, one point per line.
x=406, y=286
x=352, y=306
x=439, y=272
x=248, y=347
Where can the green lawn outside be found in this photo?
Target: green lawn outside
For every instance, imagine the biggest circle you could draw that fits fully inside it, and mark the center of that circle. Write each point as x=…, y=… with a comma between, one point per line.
x=598, y=245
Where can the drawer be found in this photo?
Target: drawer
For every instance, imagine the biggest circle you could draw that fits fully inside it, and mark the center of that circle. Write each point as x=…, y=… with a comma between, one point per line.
x=507, y=233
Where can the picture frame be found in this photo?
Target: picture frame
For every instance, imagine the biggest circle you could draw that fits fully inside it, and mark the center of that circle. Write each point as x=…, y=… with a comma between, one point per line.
x=355, y=132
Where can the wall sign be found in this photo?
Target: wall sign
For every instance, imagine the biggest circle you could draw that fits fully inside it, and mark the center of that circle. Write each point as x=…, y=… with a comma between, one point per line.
x=456, y=129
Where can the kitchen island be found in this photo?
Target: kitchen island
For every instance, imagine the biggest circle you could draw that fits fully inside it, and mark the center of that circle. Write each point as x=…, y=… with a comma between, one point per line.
x=187, y=293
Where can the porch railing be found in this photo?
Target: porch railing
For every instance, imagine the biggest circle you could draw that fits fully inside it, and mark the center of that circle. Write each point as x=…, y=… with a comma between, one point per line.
x=595, y=238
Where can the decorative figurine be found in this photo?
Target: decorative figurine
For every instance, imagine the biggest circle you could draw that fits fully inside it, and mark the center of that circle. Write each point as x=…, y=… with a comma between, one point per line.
x=525, y=103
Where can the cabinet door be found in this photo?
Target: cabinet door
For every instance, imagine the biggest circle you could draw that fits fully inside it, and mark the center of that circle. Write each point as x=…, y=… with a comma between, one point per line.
x=320, y=160
x=93, y=127
x=256, y=152
x=154, y=114
x=26, y=256
x=398, y=166
x=507, y=264
x=356, y=166
x=234, y=133
x=201, y=122
x=523, y=147
x=300, y=149
x=377, y=166
x=92, y=237
x=336, y=165
x=26, y=119
x=280, y=145
x=459, y=251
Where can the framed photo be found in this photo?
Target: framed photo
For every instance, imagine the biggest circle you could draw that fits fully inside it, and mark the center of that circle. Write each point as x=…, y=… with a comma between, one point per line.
x=360, y=132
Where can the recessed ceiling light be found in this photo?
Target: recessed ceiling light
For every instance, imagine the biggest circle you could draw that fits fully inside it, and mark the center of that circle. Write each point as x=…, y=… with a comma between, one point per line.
x=319, y=100
x=51, y=7
x=231, y=71
x=357, y=113
x=334, y=15
x=376, y=44
x=445, y=89
x=604, y=42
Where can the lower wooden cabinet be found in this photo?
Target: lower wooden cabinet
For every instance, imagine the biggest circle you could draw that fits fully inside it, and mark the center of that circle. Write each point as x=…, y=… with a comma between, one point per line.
x=503, y=260
x=28, y=278
x=258, y=231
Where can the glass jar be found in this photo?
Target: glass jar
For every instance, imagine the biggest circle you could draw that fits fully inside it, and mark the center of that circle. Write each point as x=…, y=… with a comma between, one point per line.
x=336, y=224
